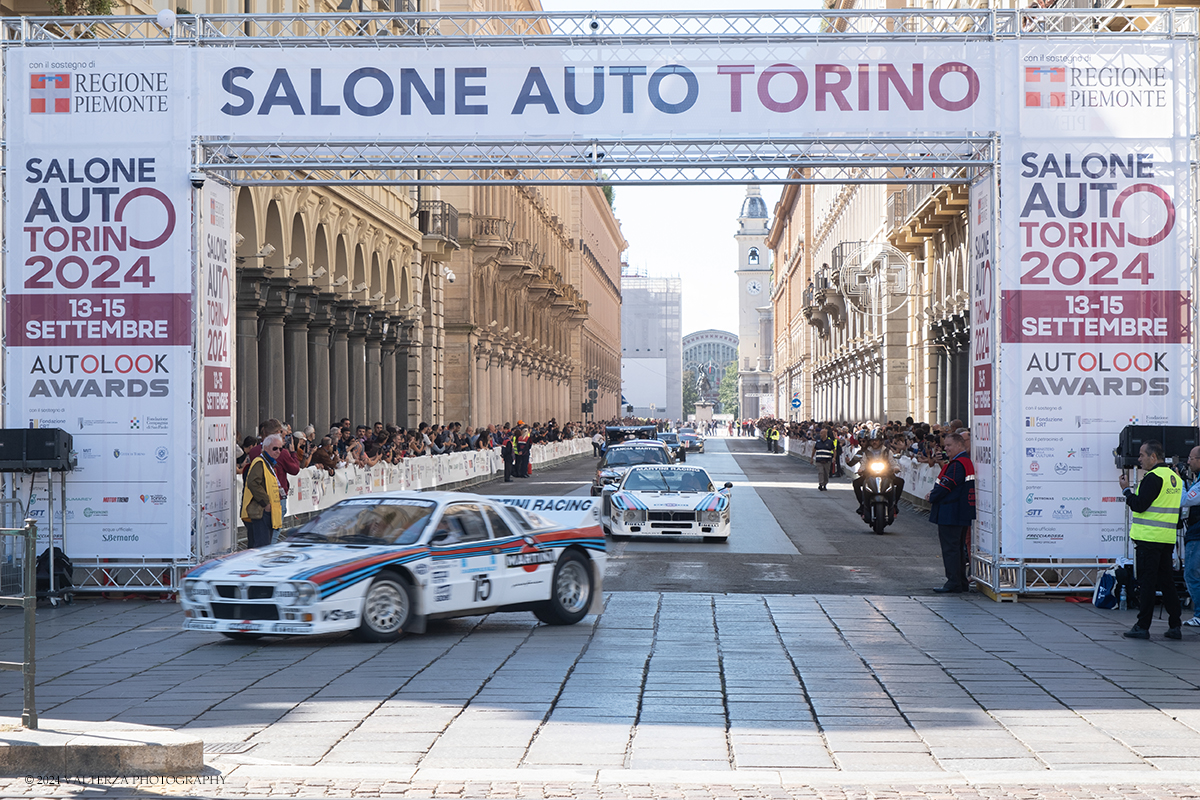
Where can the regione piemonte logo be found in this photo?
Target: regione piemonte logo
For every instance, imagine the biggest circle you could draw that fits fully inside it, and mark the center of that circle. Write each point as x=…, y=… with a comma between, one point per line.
x=1045, y=87
x=50, y=93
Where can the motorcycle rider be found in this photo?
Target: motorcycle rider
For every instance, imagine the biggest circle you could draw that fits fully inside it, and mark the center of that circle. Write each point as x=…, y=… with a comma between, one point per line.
x=875, y=450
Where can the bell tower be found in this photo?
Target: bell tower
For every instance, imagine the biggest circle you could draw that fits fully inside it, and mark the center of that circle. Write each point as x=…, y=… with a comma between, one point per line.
x=753, y=294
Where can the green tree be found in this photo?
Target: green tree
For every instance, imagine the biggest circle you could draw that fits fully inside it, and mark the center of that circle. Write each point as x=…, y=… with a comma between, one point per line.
x=728, y=391
x=690, y=393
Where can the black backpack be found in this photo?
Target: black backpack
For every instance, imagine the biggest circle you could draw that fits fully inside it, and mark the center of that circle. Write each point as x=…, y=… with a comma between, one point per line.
x=1126, y=581
x=63, y=571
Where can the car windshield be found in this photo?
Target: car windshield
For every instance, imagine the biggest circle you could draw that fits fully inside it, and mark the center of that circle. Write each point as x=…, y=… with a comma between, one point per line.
x=666, y=437
x=628, y=456
x=365, y=520
x=666, y=480
x=687, y=430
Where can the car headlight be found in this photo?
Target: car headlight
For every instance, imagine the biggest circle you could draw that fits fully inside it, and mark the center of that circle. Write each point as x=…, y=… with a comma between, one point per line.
x=712, y=517
x=297, y=593
x=196, y=591
x=633, y=517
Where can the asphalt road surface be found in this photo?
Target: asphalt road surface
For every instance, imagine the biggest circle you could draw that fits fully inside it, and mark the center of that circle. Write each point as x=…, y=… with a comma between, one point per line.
x=787, y=537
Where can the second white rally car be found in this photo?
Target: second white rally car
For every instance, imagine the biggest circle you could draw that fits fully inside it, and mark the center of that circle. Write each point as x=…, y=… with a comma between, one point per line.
x=383, y=564
x=667, y=500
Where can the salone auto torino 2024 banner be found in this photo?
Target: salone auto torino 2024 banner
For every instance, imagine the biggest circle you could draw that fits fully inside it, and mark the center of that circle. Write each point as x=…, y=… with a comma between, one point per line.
x=1079, y=245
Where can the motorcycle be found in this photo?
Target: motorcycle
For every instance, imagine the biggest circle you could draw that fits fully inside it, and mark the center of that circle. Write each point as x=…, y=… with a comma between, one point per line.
x=877, y=495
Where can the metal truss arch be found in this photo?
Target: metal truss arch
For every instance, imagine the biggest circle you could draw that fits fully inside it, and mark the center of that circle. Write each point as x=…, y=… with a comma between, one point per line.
x=617, y=161
x=517, y=29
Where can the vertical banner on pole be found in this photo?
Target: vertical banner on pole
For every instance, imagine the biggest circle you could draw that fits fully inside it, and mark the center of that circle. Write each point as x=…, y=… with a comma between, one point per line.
x=217, y=503
x=983, y=324
x=1095, y=301
x=98, y=289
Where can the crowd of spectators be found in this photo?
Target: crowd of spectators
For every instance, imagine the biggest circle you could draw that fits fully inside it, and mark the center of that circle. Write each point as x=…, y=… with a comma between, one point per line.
x=921, y=441
x=365, y=446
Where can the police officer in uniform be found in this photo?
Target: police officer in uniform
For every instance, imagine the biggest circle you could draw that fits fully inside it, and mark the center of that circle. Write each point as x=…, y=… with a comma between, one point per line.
x=1155, y=506
x=506, y=452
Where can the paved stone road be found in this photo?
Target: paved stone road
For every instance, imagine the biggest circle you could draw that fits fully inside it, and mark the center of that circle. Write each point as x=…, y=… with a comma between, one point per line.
x=782, y=694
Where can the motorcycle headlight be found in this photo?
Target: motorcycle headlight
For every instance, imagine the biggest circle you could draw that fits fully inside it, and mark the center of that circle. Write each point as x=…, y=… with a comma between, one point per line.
x=196, y=591
x=877, y=467
x=712, y=517
x=297, y=593
x=633, y=517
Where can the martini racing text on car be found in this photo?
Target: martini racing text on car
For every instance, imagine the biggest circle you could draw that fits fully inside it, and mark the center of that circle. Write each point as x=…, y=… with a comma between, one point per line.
x=620, y=457
x=383, y=564
x=673, y=500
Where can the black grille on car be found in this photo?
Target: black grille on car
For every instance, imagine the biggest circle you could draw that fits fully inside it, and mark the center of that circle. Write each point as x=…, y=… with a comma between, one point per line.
x=672, y=516
x=227, y=590
x=260, y=592
x=245, y=611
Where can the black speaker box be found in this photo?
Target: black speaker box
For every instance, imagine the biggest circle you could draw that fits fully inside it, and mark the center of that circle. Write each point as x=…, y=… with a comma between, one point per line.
x=12, y=449
x=47, y=448
x=26, y=449
x=1177, y=442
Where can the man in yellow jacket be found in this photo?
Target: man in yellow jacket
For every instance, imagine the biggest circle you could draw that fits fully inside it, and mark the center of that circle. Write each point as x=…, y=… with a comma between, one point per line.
x=1155, y=506
x=261, y=509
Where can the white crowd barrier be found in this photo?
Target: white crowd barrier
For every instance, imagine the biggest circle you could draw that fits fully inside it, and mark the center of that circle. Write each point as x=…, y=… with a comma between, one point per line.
x=314, y=488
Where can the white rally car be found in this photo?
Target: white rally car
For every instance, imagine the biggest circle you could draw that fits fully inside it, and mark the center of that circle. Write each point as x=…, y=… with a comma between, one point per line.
x=383, y=564
x=667, y=500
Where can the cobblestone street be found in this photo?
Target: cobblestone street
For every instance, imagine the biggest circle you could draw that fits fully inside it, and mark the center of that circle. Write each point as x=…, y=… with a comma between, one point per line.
x=664, y=695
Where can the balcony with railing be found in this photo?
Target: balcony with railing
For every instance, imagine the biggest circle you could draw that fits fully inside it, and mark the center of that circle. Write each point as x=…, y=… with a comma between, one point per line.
x=439, y=220
x=916, y=211
x=897, y=209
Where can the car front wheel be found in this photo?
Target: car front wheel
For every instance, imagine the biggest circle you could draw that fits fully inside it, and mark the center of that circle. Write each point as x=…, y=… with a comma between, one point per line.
x=387, y=608
x=570, y=592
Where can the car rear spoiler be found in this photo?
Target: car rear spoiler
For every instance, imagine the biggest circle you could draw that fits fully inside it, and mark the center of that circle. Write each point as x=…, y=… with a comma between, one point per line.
x=618, y=433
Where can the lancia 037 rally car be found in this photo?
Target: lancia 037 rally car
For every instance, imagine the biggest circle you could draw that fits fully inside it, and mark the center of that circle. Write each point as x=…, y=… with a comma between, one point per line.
x=668, y=500
x=383, y=564
x=620, y=457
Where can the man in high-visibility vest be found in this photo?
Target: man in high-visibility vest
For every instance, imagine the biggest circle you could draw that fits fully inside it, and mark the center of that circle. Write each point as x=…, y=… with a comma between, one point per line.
x=772, y=436
x=261, y=510
x=1155, y=506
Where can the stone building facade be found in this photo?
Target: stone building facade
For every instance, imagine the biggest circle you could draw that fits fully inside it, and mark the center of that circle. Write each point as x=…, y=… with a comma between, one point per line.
x=871, y=308
x=535, y=312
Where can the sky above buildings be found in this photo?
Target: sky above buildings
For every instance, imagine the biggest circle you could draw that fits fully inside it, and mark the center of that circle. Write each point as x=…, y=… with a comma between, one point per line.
x=682, y=230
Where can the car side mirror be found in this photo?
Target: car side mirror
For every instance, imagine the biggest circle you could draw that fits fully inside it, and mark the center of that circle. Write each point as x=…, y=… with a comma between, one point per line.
x=728, y=485
x=439, y=536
